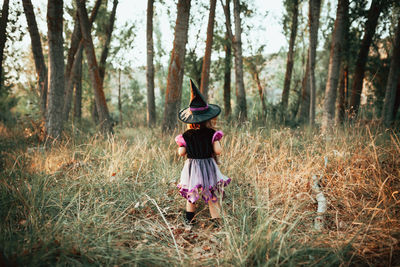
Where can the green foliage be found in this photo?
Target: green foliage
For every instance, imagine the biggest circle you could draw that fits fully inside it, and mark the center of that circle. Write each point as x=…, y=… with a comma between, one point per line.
x=7, y=102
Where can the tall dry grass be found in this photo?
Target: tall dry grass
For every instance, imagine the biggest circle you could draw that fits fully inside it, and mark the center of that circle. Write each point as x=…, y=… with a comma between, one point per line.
x=113, y=201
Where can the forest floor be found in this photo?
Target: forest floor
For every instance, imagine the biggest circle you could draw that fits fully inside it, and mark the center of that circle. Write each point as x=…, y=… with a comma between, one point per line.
x=90, y=200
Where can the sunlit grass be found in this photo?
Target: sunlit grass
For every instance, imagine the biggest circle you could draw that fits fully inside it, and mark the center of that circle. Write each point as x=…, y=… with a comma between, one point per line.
x=114, y=201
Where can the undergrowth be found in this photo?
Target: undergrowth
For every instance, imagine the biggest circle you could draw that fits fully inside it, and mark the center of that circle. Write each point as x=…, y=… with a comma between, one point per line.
x=93, y=200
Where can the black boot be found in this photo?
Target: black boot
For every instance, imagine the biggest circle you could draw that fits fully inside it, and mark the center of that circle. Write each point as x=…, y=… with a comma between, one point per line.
x=189, y=218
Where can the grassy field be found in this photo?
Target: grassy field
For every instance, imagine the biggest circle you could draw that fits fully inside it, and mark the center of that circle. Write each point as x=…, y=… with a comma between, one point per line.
x=90, y=200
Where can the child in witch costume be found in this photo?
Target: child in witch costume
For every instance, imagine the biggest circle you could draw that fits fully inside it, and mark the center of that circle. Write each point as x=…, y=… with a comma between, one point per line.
x=200, y=176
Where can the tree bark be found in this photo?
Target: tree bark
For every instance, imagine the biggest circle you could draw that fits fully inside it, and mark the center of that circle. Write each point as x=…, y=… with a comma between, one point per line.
x=334, y=65
x=304, y=112
x=119, y=97
x=3, y=37
x=54, y=118
x=261, y=94
x=314, y=12
x=71, y=68
x=227, y=78
x=227, y=62
x=240, y=90
x=40, y=65
x=78, y=86
x=343, y=90
x=101, y=104
x=289, y=59
x=175, y=71
x=397, y=101
x=393, y=77
x=151, y=103
x=205, y=72
x=109, y=30
x=370, y=27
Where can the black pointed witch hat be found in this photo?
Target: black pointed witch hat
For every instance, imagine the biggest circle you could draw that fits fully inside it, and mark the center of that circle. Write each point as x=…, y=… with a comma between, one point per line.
x=198, y=110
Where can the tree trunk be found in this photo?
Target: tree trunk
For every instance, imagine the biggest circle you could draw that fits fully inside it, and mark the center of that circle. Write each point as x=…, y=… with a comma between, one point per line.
x=334, y=65
x=151, y=103
x=40, y=65
x=54, y=118
x=297, y=103
x=314, y=11
x=119, y=97
x=289, y=59
x=343, y=91
x=228, y=63
x=370, y=26
x=76, y=47
x=175, y=71
x=3, y=37
x=393, y=77
x=227, y=78
x=76, y=38
x=261, y=94
x=240, y=90
x=109, y=30
x=397, y=100
x=78, y=87
x=205, y=72
x=304, y=113
x=101, y=104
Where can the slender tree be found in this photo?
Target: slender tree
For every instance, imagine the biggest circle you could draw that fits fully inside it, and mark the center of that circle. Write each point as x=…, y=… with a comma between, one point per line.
x=101, y=104
x=304, y=111
x=205, y=72
x=343, y=90
x=36, y=43
x=73, y=63
x=241, y=93
x=255, y=65
x=393, y=78
x=227, y=63
x=370, y=27
x=119, y=97
x=334, y=65
x=175, y=71
x=109, y=30
x=54, y=118
x=227, y=77
x=294, y=8
x=3, y=37
x=151, y=102
x=237, y=50
x=314, y=12
x=77, y=81
x=397, y=100
x=343, y=87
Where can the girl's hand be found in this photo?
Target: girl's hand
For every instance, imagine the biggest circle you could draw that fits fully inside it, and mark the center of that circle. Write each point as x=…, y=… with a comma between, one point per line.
x=182, y=151
x=217, y=148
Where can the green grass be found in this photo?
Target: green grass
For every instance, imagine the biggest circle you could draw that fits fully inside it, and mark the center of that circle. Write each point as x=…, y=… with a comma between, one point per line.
x=90, y=200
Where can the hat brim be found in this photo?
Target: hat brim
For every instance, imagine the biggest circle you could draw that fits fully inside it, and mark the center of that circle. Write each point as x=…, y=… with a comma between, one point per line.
x=187, y=116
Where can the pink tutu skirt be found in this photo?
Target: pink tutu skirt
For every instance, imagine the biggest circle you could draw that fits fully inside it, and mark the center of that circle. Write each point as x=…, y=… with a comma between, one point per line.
x=202, y=177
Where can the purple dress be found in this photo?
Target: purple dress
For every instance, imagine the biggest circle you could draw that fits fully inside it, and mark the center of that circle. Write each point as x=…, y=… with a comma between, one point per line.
x=200, y=175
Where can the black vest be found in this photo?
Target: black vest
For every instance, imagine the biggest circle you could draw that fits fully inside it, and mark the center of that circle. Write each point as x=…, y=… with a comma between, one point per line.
x=199, y=143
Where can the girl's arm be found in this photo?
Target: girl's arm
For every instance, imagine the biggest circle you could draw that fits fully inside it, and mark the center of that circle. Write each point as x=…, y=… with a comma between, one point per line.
x=215, y=141
x=182, y=145
x=217, y=148
x=182, y=151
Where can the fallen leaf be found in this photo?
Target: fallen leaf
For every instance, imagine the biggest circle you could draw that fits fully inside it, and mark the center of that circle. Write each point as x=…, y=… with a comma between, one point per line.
x=206, y=248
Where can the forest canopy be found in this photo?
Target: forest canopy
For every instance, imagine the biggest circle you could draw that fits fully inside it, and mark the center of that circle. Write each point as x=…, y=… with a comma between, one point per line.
x=345, y=70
